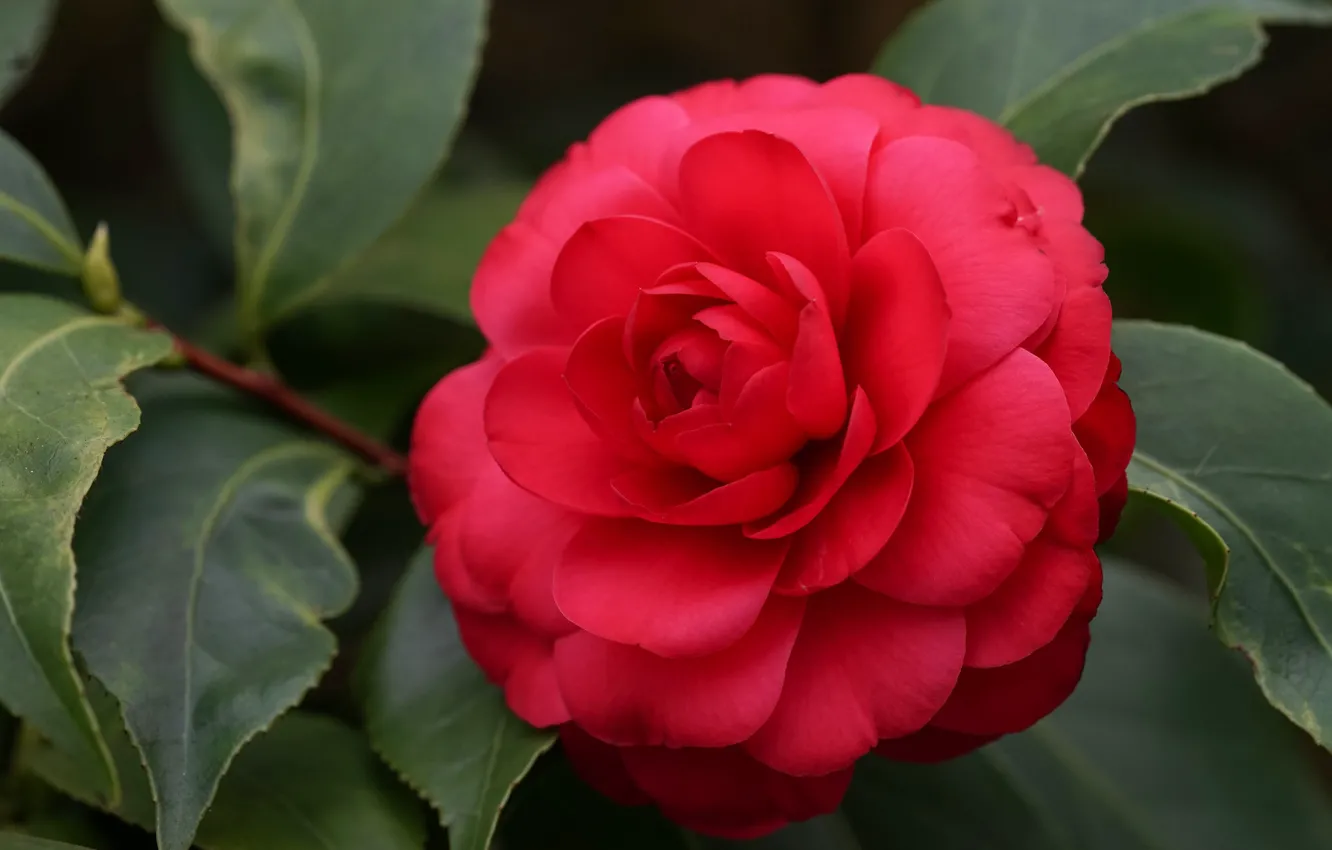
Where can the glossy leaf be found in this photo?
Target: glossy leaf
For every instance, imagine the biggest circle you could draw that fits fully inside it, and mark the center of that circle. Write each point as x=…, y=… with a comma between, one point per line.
x=35, y=228
x=1060, y=72
x=61, y=407
x=427, y=260
x=435, y=718
x=309, y=783
x=1228, y=434
x=23, y=28
x=208, y=557
x=339, y=115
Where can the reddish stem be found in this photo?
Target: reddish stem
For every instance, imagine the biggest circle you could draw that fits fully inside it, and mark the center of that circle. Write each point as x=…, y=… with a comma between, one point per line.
x=285, y=399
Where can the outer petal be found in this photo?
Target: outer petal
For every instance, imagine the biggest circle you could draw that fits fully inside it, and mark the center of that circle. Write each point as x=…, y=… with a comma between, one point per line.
x=724, y=792
x=931, y=745
x=602, y=267
x=542, y=442
x=852, y=528
x=601, y=766
x=674, y=591
x=448, y=439
x=889, y=103
x=1107, y=432
x=628, y=696
x=864, y=668
x=637, y=136
x=1079, y=346
x=516, y=659
x=764, y=91
x=991, y=143
x=991, y=459
x=896, y=335
x=1031, y=606
x=511, y=292
x=746, y=194
x=1000, y=700
x=999, y=285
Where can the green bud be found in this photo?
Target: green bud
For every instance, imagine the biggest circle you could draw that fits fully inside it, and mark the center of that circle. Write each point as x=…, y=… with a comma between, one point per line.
x=101, y=284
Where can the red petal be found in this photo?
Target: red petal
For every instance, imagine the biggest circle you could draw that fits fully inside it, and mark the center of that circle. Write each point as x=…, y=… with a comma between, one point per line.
x=1054, y=194
x=767, y=307
x=679, y=496
x=760, y=92
x=628, y=696
x=1107, y=432
x=542, y=442
x=761, y=431
x=605, y=388
x=1112, y=506
x=1079, y=346
x=999, y=286
x=816, y=395
x=931, y=745
x=826, y=469
x=1031, y=606
x=511, y=292
x=637, y=136
x=453, y=573
x=991, y=143
x=568, y=197
x=853, y=528
x=601, y=766
x=673, y=591
x=1000, y=700
x=991, y=459
x=863, y=668
x=889, y=103
x=532, y=595
x=725, y=793
x=448, y=439
x=518, y=661
x=746, y=194
x=602, y=267
x=896, y=334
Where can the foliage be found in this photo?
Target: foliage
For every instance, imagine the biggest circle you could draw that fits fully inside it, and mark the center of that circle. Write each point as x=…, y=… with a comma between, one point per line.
x=175, y=639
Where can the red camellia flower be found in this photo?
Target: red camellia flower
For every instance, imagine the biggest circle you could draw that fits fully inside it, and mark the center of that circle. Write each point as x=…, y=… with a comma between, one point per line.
x=797, y=428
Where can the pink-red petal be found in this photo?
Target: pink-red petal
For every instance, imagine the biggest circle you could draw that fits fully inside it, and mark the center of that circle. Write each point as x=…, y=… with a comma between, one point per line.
x=681, y=496
x=674, y=591
x=449, y=438
x=724, y=792
x=864, y=668
x=999, y=286
x=517, y=660
x=628, y=696
x=896, y=335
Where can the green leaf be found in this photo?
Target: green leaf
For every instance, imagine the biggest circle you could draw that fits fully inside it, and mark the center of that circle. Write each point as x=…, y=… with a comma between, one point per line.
x=339, y=115
x=427, y=260
x=17, y=841
x=209, y=556
x=309, y=782
x=61, y=407
x=1230, y=435
x=436, y=720
x=35, y=228
x=23, y=28
x=1060, y=72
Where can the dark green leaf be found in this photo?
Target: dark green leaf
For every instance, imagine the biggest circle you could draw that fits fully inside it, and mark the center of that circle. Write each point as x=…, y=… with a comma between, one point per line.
x=35, y=228
x=1060, y=72
x=209, y=556
x=61, y=407
x=436, y=720
x=309, y=782
x=1228, y=434
x=427, y=260
x=16, y=841
x=23, y=28
x=339, y=116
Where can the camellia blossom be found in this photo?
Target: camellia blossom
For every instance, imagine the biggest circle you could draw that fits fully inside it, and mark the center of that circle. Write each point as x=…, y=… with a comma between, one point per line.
x=796, y=429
